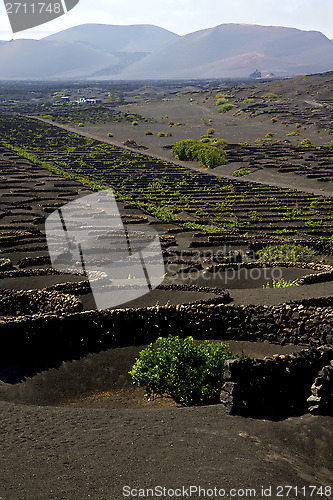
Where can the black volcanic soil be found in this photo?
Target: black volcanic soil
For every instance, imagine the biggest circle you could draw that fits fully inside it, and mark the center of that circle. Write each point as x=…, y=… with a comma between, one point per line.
x=82, y=431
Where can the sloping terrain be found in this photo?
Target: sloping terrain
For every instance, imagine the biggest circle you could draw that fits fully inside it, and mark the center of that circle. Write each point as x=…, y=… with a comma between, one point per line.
x=113, y=38
x=80, y=52
x=38, y=59
x=235, y=50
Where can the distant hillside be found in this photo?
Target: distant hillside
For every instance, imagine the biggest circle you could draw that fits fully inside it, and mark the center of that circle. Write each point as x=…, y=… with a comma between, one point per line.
x=235, y=50
x=137, y=38
x=39, y=59
x=100, y=51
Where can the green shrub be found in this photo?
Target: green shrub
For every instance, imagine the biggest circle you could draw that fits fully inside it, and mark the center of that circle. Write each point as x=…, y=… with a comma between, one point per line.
x=210, y=157
x=161, y=134
x=221, y=101
x=211, y=131
x=226, y=107
x=281, y=283
x=269, y=135
x=110, y=135
x=330, y=131
x=171, y=123
x=148, y=132
x=188, y=373
x=219, y=142
x=273, y=120
x=191, y=150
x=80, y=124
x=135, y=123
x=306, y=142
x=241, y=172
x=205, y=140
x=291, y=134
x=168, y=134
x=249, y=101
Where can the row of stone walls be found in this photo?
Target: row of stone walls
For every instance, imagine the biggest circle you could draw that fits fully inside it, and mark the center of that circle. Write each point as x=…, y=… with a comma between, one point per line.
x=35, y=339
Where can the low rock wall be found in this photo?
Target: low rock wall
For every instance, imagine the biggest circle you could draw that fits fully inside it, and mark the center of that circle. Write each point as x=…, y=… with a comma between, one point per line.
x=282, y=385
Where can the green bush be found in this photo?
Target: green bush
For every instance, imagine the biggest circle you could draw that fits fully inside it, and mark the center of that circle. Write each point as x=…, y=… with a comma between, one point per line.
x=306, y=142
x=221, y=101
x=269, y=135
x=189, y=373
x=225, y=108
x=110, y=135
x=148, y=132
x=191, y=150
x=161, y=134
x=241, y=172
x=135, y=123
x=211, y=131
x=219, y=142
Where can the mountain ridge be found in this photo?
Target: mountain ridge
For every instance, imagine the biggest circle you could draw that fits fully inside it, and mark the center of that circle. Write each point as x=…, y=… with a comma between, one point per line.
x=143, y=52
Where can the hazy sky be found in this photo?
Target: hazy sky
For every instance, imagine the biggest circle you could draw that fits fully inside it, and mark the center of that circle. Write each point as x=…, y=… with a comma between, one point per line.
x=185, y=16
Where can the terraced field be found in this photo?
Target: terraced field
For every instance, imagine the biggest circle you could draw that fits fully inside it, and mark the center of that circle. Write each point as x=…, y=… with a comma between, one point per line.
x=169, y=192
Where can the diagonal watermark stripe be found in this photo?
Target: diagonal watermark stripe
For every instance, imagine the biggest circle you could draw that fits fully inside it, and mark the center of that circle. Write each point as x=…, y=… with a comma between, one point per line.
x=88, y=236
x=24, y=15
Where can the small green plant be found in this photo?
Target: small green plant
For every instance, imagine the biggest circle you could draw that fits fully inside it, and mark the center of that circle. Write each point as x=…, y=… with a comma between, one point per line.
x=135, y=123
x=269, y=135
x=292, y=134
x=281, y=283
x=270, y=95
x=168, y=134
x=189, y=373
x=225, y=108
x=241, y=172
x=148, y=132
x=306, y=142
x=161, y=134
x=220, y=100
x=330, y=131
x=273, y=120
x=219, y=142
x=80, y=124
x=285, y=253
x=171, y=123
x=110, y=135
x=249, y=101
x=211, y=131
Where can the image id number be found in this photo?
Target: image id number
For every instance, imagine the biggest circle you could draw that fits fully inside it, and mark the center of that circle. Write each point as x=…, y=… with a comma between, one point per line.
x=33, y=8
